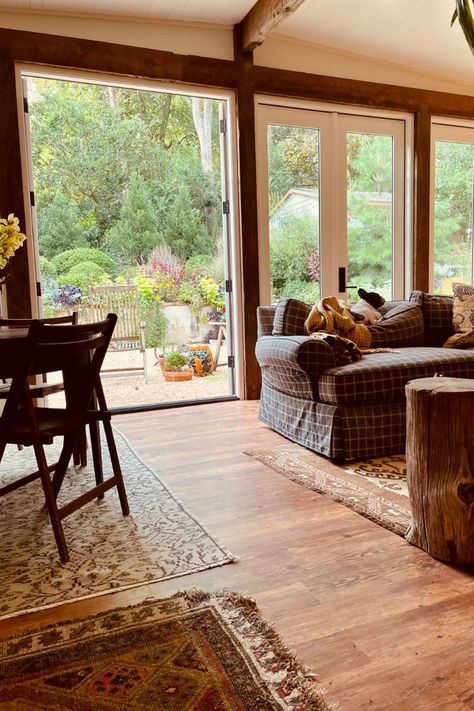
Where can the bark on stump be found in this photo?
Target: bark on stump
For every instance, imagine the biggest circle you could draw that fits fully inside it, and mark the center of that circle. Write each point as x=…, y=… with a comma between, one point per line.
x=440, y=467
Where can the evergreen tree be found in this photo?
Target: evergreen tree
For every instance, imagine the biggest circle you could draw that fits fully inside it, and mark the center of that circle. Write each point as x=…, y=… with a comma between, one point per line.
x=131, y=239
x=59, y=227
x=184, y=231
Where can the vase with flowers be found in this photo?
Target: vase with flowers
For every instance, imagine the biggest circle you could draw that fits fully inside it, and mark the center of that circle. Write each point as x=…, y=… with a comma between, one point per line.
x=10, y=240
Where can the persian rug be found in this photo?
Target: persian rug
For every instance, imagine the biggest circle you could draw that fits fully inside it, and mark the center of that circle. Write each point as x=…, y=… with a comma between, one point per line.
x=108, y=552
x=191, y=652
x=375, y=488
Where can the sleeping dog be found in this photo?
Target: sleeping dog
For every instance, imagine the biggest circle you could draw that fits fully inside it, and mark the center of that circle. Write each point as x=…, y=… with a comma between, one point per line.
x=367, y=307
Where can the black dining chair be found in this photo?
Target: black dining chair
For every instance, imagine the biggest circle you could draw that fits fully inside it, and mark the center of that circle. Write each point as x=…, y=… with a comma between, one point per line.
x=43, y=389
x=78, y=351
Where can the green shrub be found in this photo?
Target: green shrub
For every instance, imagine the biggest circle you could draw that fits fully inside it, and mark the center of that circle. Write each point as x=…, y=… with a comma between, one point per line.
x=198, y=266
x=156, y=324
x=84, y=275
x=304, y=291
x=65, y=261
x=47, y=269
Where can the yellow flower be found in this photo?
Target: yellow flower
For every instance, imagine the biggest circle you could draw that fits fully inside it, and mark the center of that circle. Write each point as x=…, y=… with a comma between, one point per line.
x=10, y=238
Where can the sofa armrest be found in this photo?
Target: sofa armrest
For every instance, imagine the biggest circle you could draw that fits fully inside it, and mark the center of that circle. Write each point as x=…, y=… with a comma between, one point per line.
x=293, y=364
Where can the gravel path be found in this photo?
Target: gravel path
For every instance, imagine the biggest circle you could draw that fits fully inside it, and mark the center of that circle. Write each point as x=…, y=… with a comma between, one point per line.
x=125, y=389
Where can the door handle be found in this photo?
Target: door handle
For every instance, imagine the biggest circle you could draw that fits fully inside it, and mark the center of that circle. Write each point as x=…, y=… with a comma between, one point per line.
x=342, y=281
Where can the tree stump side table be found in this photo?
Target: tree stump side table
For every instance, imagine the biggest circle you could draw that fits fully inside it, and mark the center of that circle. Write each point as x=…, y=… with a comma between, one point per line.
x=440, y=467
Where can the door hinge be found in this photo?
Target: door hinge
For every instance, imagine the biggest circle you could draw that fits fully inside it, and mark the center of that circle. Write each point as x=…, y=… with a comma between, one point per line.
x=38, y=288
x=228, y=286
x=26, y=107
x=223, y=125
x=32, y=198
x=230, y=362
x=226, y=207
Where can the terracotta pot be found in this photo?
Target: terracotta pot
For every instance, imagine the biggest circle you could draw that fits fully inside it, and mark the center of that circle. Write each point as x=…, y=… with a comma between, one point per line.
x=178, y=376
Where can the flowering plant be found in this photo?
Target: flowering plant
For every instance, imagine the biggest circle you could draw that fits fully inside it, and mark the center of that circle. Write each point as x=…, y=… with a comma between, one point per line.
x=10, y=238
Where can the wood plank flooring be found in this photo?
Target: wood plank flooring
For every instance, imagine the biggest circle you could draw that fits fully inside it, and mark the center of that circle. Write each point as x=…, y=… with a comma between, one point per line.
x=382, y=624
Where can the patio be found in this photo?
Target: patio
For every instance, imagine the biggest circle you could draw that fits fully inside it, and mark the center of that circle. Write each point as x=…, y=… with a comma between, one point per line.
x=126, y=389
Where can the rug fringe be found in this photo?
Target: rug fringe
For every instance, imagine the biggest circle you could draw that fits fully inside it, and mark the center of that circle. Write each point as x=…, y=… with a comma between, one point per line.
x=304, y=676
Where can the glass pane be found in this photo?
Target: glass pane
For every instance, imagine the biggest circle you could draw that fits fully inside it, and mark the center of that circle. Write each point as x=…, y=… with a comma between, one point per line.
x=370, y=212
x=129, y=211
x=293, y=198
x=454, y=173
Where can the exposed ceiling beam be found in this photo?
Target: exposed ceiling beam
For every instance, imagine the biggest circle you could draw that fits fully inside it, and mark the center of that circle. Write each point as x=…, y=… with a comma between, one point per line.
x=262, y=19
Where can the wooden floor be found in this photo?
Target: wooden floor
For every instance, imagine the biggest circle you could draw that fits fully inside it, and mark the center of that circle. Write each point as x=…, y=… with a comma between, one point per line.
x=382, y=624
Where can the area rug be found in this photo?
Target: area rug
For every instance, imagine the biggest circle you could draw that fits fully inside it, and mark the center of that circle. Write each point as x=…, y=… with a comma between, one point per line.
x=375, y=488
x=191, y=652
x=108, y=552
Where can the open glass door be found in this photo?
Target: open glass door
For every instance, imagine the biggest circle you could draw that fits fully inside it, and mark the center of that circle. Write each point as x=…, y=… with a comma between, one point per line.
x=131, y=187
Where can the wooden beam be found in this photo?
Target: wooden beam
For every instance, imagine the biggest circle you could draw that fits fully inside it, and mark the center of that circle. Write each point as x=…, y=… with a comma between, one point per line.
x=248, y=218
x=116, y=58
x=262, y=19
x=338, y=90
x=421, y=203
x=11, y=190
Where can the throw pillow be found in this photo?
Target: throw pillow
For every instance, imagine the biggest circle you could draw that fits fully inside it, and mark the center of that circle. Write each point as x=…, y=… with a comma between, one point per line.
x=463, y=317
x=400, y=327
x=437, y=316
x=290, y=315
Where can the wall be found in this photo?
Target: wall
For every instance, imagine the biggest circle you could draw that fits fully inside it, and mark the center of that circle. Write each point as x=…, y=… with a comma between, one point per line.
x=198, y=39
x=282, y=53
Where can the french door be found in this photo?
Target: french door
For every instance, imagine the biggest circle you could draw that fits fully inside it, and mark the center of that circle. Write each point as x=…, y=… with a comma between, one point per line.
x=452, y=190
x=331, y=197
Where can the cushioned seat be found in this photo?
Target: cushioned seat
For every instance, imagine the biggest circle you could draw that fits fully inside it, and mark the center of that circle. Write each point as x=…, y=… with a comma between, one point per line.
x=381, y=377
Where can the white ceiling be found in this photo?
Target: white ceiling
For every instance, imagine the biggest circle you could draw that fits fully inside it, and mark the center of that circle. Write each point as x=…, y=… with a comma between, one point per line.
x=412, y=33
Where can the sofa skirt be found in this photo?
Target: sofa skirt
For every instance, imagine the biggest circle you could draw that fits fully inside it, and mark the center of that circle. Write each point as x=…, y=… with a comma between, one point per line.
x=339, y=432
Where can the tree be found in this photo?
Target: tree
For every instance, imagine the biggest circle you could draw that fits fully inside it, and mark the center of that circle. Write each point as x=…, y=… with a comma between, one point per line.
x=88, y=140
x=292, y=242
x=59, y=228
x=184, y=232
x=454, y=174
x=202, y=117
x=369, y=233
x=131, y=239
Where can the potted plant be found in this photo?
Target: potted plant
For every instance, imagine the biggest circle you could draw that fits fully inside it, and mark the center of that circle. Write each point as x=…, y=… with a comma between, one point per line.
x=175, y=367
x=201, y=359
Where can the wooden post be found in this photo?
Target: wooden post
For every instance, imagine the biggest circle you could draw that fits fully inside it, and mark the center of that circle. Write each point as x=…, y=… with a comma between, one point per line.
x=440, y=466
x=248, y=215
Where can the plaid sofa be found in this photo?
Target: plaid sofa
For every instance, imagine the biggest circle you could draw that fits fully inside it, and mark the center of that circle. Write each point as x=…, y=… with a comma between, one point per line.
x=356, y=410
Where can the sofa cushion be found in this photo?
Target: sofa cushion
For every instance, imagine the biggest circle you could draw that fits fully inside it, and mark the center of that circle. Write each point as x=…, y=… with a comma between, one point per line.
x=437, y=312
x=463, y=317
x=290, y=315
x=381, y=377
x=401, y=326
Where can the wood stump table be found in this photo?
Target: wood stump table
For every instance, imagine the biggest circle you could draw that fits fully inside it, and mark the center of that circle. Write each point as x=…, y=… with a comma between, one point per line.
x=440, y=466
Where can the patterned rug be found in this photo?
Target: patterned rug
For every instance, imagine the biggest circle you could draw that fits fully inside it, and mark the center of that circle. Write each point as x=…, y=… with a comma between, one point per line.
x=191, y=652
x=375, y=488
x=159, y=540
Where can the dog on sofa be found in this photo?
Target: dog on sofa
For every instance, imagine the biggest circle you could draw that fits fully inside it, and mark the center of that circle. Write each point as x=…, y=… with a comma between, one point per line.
x=365, y=309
